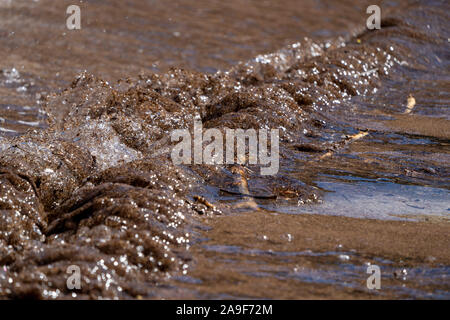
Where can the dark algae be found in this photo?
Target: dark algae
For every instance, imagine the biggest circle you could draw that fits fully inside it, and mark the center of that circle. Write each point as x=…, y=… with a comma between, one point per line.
x=92, y=184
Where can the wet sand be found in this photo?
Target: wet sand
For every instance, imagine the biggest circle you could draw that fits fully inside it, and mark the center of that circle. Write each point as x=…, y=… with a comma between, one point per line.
x=420, y=125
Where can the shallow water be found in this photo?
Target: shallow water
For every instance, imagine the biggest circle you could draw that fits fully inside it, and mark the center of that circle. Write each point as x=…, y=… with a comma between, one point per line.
x=91, y=183
x=375, y=199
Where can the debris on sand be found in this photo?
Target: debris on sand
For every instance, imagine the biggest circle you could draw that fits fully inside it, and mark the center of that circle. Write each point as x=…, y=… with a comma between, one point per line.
x=411, y=102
